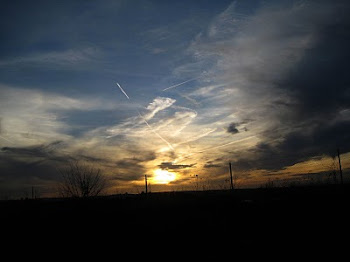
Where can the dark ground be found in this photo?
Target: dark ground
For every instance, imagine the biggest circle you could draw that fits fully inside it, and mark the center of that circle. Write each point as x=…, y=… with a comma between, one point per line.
x=293, y=217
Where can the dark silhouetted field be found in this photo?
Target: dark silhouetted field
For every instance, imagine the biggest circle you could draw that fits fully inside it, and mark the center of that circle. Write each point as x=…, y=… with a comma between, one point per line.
x=295, y=216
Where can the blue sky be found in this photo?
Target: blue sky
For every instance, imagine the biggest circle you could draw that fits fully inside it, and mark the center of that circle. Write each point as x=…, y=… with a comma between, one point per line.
x=261, y=84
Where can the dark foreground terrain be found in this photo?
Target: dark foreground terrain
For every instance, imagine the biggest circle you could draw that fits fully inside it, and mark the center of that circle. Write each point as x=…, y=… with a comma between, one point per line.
x=298, y=216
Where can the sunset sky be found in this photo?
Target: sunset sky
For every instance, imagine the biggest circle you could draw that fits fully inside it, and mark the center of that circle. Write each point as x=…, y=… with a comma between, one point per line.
x=174, y=90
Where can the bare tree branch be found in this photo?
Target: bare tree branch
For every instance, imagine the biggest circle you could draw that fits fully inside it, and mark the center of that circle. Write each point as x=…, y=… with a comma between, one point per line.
x=81, y=180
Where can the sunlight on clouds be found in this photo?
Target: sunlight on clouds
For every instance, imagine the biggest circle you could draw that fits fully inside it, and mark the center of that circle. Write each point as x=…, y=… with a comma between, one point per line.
x=227, y=89
x=161, y=176
x=318, y=165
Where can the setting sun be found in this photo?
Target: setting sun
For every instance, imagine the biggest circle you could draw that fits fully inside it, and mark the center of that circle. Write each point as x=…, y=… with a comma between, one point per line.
x=163, y=176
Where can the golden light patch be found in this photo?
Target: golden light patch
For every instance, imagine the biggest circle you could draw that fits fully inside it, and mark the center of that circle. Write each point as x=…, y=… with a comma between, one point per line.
x=163, y=176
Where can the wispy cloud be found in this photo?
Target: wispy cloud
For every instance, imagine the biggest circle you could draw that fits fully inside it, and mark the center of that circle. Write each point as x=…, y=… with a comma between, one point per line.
x=259, y=66
x=197, y=136
x=70, y=57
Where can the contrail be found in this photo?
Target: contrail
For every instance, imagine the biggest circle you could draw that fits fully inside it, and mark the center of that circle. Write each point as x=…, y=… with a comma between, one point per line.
x=215, y=147
x=6, y=139
x=157, y=134
x=163, y=139
x=197, y=137
x=170, y=87
x=189, y=98
x=121, y=89
x=230, y=143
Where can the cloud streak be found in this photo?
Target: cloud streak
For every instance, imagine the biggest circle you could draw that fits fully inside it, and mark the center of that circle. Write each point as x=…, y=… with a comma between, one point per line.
x=68, y=58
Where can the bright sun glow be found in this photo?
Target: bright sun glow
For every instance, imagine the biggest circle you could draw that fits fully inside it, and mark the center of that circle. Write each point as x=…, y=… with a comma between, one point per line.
x=163, y=176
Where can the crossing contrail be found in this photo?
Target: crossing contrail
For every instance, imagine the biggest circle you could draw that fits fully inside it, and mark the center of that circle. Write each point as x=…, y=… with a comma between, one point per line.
x=170, y=87
x=144, y=119
x=156, y=133
x=6, y=139
x=212, y=148
x=121, y=89
x=197, y=137
x=223, y=145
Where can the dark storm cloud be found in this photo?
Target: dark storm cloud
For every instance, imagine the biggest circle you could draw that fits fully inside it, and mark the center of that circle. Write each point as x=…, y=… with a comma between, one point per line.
x=232, y=128
x=311, y=118
x=320, y=85
x=323, y=139
x=171, y=166
x=320, y=82
x=27, y=170
x=38, y=165
x=24, y=167
x=32, y=162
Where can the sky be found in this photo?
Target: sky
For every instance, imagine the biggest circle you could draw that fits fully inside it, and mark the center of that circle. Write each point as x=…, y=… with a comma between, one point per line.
x=174, y=90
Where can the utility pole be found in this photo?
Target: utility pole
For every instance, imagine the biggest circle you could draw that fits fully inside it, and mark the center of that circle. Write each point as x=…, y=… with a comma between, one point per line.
x=146, y=183
x=340, y=170
x=231, y=176
x=32, y=192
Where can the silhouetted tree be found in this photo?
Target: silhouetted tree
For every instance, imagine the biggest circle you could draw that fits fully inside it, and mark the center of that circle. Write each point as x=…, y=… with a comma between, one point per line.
x=81, y=180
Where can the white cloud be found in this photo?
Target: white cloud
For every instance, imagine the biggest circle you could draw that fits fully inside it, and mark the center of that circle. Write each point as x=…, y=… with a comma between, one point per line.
x=158, y=104
x=31, y=116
